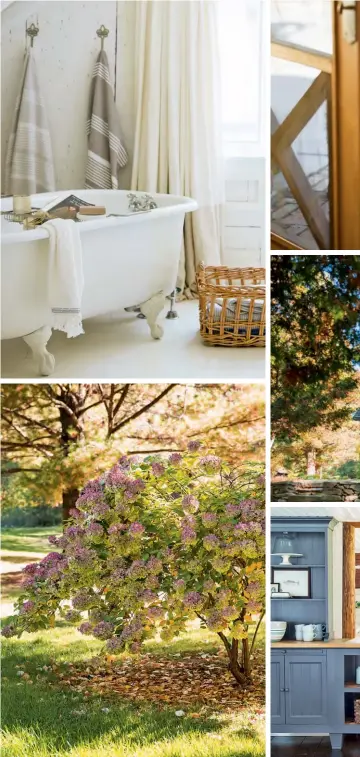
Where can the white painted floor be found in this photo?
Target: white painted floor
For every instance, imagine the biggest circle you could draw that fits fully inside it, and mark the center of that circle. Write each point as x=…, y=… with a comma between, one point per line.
x=119, y=347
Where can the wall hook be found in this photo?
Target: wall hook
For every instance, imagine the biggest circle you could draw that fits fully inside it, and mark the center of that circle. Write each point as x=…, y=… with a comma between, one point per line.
x=32, y=31
x=102, y=33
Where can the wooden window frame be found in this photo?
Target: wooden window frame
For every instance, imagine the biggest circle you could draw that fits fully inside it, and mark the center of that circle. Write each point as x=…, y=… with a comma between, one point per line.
x=344, y=130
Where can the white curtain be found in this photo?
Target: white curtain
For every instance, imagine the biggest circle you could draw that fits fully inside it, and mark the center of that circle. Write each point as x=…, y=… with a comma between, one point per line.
x=178, y=140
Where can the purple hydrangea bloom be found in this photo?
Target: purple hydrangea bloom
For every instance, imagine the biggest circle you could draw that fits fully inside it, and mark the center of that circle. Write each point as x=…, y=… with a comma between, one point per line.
x=86, y=628
x=158, y=468
x=154, y=566
x=72, y=532
x=253, y=586
x=211, y=541
x=31, y=569
x=75, y=513
x=26, y=607
x=215, y=621
x=188, y=520
x=253, y=606
x=148, y=596
x=193, y=600
x=124, y=462
x=116, y=477
x=179, y=585
x=52, y=539
x=136, y=529
x=233, y=509
x=210, y=461
x=188, y=535
x=72, y=616
x=95, y=529
x=103, y=630
x=175, y=458
x=137, y=569
x=101, y=508
x=209, y=519
x=116, y=528
x=114, y=644
x=154, y=613
x=90, y=493
x=83, y=600
x=8, y=631
x=193, y=446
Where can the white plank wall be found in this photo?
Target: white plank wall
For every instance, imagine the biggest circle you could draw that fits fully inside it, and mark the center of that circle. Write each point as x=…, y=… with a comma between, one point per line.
x=243, y=217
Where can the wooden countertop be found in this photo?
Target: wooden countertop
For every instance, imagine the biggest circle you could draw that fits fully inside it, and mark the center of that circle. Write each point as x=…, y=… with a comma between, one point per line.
x=333, y=644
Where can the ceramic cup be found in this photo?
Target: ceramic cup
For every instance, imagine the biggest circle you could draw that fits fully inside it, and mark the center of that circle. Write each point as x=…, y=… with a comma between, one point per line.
x=319, y=630
x=309, y=632
x=299, y=632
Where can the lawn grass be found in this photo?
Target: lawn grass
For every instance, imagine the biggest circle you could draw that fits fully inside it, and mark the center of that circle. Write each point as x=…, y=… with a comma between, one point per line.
x=28, y=539
x=40, y=720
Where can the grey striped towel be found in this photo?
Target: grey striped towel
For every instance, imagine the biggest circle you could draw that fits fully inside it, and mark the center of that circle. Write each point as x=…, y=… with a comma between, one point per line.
x=106, y=153
x=29, y=164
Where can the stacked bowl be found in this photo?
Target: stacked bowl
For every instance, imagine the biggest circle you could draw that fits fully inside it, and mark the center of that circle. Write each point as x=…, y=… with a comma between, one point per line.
x=278, y=628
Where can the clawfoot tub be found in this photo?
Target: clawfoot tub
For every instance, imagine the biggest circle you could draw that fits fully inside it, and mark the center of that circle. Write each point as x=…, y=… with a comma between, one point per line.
x=128, y=261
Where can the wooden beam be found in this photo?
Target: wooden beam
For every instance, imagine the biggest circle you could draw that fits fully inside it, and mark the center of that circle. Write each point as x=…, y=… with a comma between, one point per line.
x=303, y=55
x=348, y=613
x=302, y=191
x=346, y=135
x=302, y=113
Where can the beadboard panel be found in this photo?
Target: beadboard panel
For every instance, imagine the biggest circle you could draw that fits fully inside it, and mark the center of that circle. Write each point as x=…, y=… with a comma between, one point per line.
x=66, y=50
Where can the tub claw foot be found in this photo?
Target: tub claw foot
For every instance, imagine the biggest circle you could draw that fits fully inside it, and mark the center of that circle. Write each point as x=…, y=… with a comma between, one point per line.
x=37, y=342
x=151, y=309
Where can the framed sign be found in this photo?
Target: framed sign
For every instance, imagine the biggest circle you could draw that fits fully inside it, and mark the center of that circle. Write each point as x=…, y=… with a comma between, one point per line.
x=295, y=581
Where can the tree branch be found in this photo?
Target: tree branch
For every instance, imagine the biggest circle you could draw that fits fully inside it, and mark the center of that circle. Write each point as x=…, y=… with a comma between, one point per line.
x=142, y=410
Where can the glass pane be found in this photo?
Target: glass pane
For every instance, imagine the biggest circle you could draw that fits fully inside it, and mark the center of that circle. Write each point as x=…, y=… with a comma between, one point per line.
x=307, y=23
x=300, y=177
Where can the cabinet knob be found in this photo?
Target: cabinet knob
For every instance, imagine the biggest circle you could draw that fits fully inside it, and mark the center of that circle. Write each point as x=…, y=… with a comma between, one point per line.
x=286, y=689
x=282, y=689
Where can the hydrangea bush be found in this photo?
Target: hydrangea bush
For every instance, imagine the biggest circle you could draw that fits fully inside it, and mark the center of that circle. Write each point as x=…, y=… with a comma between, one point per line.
x=151, y=545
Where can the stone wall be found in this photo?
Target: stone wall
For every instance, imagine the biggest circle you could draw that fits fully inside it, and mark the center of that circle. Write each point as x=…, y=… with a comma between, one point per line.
x=315, y=491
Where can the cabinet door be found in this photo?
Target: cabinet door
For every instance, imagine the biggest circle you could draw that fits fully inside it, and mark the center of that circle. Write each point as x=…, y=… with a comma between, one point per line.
x=277, y=689
x=305, y=689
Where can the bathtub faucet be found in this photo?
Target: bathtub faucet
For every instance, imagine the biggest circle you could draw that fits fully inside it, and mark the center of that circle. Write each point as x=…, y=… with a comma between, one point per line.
x=138, y=203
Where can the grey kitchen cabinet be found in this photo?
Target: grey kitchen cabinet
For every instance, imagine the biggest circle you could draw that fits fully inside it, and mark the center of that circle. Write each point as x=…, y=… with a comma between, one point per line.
x=298, y=688
x=305, y=689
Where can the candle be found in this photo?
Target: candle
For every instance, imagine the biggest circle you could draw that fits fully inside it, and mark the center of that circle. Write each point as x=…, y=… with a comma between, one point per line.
x=21, y=204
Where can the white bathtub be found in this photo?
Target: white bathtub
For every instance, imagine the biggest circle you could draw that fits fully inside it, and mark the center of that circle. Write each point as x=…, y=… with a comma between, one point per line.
x=127, y=262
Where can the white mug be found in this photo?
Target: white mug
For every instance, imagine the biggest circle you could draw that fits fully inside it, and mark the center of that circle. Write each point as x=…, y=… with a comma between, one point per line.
x=299, y=632
x=309, y=632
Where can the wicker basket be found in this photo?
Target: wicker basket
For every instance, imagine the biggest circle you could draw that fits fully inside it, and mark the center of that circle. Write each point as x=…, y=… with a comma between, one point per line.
x=357, y=711
x=232, y=306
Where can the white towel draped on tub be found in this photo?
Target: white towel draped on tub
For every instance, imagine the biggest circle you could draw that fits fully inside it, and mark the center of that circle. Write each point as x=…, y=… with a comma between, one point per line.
x=29, y=167
x=65, y=278
x=106, y=153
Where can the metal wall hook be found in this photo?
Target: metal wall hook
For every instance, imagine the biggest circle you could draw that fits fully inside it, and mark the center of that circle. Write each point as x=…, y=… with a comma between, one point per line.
x=102, y=33
x=32, y=31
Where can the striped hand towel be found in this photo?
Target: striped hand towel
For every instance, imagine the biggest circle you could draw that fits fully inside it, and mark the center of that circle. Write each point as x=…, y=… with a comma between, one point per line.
x=106, y=153
x=65, y=275
x=29, y=164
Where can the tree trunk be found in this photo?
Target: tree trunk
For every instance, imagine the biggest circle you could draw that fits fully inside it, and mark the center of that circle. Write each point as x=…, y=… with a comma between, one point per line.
x=69, y=498
x=237, y=670
x=311, y=463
